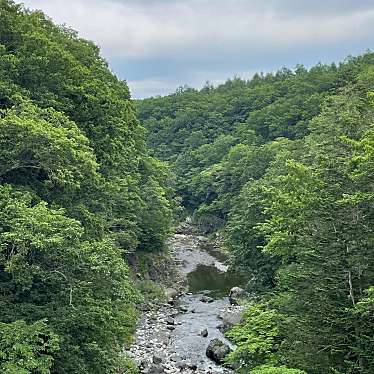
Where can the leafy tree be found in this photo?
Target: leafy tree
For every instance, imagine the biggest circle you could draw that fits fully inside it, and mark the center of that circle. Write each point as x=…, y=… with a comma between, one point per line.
x=321, y=232
x=48, y=271
x=78, y=193
x=275, y=370
x=26, y=349
x=290, y=185
x=256, y=337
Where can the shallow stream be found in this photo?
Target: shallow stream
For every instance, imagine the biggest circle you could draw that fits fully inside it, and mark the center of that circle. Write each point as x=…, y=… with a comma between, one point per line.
x=206, y=275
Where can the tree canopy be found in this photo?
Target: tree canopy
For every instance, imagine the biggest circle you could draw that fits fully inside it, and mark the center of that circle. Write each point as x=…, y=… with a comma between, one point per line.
x=78, y=192
x=282, y=165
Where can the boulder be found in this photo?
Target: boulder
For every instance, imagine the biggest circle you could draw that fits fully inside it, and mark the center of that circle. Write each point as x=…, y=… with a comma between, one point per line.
x=181, y=365
x=170, y=321
x=217, y=350
x=186, y=228
x=158, y=358
x=204, y=333
x=192, y=367
x=236, y=293
x=170, y=293
x=174, y=357
x=206, y=299
x=156, y=369
x=229, y=319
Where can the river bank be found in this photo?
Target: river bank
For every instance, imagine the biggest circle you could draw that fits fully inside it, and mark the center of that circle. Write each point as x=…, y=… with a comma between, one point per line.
x=174, y=337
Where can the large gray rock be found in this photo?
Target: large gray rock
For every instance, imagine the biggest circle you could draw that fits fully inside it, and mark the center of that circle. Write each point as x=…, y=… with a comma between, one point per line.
x=170, y=293
x=156, y=369
x=181, y=365
x=217, y=350
x=158, y=358
x=191, y=366
x=170, y=321
x=236, y=293
x=229, y=319
x=206, y=299
x=204, y=333
x=186, y=229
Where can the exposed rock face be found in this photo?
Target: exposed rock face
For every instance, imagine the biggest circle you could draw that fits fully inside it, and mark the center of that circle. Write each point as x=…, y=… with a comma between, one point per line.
x=186, y=228
x=217, y=350
x=236, y=293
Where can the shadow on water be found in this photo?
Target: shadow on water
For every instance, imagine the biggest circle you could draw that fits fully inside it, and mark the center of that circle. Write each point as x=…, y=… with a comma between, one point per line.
x=209, y=279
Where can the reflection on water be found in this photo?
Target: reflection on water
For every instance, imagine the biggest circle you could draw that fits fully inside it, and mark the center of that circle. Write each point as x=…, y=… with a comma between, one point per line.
x=209, y=278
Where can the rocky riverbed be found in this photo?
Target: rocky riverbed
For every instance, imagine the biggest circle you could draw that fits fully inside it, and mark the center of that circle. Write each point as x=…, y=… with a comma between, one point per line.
x=174, y=337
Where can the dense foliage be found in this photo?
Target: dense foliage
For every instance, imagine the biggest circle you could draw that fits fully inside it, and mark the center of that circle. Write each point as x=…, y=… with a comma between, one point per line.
x=78, y=192
x=283, y=164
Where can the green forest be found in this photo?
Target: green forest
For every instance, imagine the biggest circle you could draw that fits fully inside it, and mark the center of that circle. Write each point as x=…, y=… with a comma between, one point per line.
x=79, y=191
x=281, y=166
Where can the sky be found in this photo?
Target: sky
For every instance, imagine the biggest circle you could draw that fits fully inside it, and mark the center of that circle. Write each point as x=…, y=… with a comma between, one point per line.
x=160, y=45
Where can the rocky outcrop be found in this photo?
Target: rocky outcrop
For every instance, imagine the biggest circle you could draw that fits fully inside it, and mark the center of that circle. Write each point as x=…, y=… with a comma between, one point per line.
x=236, y=293
x=186, y=228
x=158, y=358
x=171, y=293
x=230, y=317
x=217, y=350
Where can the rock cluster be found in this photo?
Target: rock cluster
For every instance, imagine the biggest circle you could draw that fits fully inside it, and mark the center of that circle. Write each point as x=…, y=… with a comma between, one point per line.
x=236, y=293
x=153, y=350
x=156, y=348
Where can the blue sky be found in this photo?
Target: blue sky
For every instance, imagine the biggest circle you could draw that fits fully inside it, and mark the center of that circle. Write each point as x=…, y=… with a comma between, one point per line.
x=159, y=45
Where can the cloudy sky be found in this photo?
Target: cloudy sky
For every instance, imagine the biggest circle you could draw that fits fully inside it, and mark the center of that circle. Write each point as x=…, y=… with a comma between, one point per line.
x=159, y=45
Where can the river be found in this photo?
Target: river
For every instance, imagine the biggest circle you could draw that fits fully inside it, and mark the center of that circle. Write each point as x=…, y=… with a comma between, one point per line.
x=169, y=340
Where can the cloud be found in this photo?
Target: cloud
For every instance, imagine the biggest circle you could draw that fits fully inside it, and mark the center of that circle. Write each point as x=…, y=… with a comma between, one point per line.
x=150, y=87
x=134, y=29
x=167, y=42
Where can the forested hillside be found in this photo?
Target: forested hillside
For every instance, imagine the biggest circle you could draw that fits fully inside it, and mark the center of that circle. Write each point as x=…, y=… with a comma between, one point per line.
x=283, y=166
x=78, y=192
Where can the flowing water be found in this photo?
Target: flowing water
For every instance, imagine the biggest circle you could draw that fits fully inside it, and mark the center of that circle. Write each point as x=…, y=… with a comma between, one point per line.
x=207, y=275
